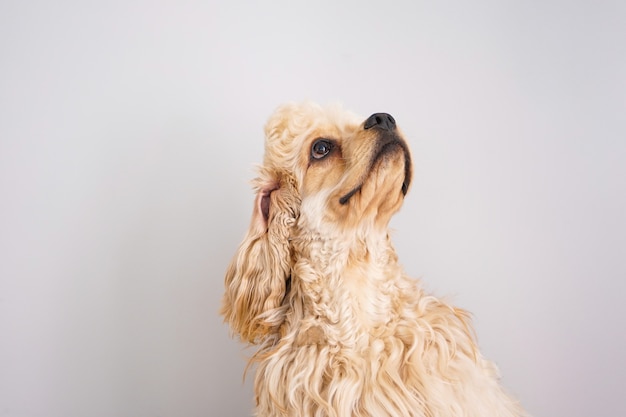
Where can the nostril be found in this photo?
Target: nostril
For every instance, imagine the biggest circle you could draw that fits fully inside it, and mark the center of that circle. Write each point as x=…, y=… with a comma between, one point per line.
x=380, y=120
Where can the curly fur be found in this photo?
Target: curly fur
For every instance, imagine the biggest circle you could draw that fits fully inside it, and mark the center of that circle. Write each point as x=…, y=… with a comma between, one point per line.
x=317, y=286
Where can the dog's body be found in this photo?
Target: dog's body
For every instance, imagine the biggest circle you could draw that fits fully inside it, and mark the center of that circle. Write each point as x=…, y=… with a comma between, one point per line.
x=316, y=283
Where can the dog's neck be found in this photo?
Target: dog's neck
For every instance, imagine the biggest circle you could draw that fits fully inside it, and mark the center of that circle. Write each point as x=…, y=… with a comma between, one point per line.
x=331, y=251
x=341, y=275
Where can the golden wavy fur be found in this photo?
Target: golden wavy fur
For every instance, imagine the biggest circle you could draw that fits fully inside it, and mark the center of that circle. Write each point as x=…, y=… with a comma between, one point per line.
x=317, y=285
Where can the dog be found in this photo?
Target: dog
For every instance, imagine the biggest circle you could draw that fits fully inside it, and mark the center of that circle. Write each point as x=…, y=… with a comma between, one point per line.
x=316, y=284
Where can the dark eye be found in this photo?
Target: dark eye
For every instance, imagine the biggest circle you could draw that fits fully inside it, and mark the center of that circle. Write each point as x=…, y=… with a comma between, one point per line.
x=321, y=148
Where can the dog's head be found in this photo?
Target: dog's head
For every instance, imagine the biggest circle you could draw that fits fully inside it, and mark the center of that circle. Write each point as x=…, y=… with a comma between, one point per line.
x=325, y=172
x=349, y=172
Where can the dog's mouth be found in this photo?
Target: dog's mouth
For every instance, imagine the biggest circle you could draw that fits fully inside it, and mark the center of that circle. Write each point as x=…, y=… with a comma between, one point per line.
x=386, y=145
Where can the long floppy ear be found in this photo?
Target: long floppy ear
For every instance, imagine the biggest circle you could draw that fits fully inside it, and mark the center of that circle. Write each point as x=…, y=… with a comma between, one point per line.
x=256, y=280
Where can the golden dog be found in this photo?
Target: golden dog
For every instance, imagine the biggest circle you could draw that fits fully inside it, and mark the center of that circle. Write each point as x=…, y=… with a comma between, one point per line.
x=317, y=285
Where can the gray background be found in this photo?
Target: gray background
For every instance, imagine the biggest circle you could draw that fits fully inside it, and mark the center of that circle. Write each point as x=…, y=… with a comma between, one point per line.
x=128, y=133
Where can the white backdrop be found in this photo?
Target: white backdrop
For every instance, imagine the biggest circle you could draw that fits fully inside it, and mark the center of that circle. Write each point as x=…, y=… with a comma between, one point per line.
x=128, y=132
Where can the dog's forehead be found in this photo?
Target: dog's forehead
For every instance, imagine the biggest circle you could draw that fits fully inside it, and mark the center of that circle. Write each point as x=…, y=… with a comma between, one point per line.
x=294, y=120
x=293, y=125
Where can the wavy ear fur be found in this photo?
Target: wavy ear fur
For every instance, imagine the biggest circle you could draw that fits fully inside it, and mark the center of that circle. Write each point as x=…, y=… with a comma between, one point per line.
x=256, y=280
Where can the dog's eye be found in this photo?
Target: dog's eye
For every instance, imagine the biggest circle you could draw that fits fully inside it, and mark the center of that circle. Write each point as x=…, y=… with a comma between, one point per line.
x=321, y=148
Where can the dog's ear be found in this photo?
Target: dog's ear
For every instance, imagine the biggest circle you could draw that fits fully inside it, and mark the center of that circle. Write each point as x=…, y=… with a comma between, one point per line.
x=256, y=280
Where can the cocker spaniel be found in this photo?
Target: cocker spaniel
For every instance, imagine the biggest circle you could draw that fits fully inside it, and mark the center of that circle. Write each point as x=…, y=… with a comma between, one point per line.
x=316, y=283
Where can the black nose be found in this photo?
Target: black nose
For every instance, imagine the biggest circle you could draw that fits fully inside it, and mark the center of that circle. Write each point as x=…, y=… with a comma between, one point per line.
x=380, y=120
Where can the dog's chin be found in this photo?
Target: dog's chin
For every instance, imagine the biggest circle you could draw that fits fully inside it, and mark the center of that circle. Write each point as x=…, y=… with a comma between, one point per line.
x=382, y=160
x=377, y=194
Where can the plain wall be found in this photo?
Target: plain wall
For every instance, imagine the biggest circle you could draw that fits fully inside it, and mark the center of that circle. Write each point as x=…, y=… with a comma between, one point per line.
x=129, y=131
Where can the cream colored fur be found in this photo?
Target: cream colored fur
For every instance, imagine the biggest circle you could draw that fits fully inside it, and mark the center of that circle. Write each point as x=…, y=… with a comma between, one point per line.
x=317, y=286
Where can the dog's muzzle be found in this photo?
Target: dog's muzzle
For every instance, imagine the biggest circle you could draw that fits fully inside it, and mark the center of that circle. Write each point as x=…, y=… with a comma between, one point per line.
x=388, y=139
